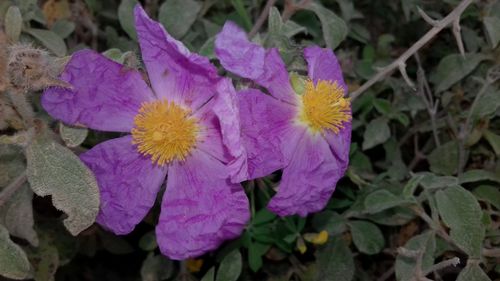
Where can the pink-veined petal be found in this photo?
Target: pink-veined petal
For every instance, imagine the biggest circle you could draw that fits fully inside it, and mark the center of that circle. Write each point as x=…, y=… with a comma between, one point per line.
x=238, y=55
x=309, y=180
x=106, y=95
x=322, y=64
x=201, y=208
x=175, y=73
x=128, y=183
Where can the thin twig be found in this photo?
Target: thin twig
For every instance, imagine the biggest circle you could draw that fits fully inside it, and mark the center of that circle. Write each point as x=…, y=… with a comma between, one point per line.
x=262, y=18
x=427, y=96
x=8, y=191
x=437, y=27
x=454, y=261
x=291, y=8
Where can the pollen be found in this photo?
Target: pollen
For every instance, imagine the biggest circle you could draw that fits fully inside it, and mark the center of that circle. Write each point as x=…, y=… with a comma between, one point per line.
x=164, y=131
x=323, y=107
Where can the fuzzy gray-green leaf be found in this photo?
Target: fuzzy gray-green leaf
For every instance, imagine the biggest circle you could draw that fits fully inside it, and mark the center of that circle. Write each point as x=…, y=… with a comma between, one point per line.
x=178, y=15
x=72, y=136
x=230, y=267
x=50, y=40
x=14, y=262
x=13, y=23
x=461, y=212
x=334, y=27
x=54, y=170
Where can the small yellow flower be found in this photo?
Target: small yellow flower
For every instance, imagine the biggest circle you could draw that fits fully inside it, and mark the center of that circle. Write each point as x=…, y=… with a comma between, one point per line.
x=317, y=238
x=301, y=245
x=194, y=265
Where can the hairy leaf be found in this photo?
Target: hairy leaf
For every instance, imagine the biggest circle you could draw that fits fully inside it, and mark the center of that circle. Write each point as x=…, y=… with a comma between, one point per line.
x=178, y=15
x=54, y=170
x=13, y=260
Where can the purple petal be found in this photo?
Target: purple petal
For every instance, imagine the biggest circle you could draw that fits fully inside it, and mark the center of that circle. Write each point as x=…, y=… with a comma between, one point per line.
x=226, y=109
x=175, y=73
x=106, y=95
x=323, y=65
x=200, y=208
x=251, y=61
x=128, y=183
x=340, y=144
x=264, y=122
x=309, y=180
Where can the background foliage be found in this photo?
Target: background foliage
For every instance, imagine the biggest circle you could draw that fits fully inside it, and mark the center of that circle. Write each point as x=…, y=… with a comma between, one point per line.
x=421, y=198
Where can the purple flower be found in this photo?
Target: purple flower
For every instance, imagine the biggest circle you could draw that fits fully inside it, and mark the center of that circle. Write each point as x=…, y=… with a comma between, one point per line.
x=304, y=130
x=185, y=125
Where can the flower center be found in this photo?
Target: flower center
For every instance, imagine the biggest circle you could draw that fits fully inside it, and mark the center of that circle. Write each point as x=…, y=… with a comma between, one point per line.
x=324, y=106
x=164, y=131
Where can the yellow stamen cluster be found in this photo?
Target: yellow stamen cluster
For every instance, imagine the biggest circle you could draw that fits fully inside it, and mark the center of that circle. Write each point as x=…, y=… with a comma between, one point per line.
x=164, y=131
x=324, y=107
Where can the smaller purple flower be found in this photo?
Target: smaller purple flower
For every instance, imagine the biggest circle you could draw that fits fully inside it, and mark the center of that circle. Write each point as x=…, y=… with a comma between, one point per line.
x=186, y=125
x=304, y=129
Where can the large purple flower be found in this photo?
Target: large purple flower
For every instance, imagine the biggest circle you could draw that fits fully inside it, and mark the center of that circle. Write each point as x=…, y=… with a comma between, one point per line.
x=304, y=130
x=185, y=125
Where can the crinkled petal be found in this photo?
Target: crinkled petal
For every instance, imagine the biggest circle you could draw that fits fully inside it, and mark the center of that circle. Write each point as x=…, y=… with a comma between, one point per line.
x=200, y=208
x=309, y=180
x=226, y=108
x=340, y=144
x=175, y=73
x=128, y=183
x=265, y=122
x=238, y=55
x=323, y=65
x=106, y=95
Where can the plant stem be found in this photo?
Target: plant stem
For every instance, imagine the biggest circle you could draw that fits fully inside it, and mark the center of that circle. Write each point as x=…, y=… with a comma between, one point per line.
x=438, y=26
x=262, y=18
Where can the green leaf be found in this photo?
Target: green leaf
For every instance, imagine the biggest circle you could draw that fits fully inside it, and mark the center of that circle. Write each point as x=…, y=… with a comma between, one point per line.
x=230, y=267
x=15, y=264
x=45, y=260
x=334, y=27
x=126, y=17
x=208, y=48
x=444, y=159
x=453, y=68
x=72, y=136
x=156, y=268
x=461, y=212
x=492, y=27
x=432, y=181
x=488, y=193
x=54, y=170
x=50, y=40
x=255, y=253
x=494, y=140
x=17, y=215
x=242, y=12
x=380, y=200
x=334, y=261
x=367, y=237
x=115, y=244
x=411, y=186
x=487, y=104
x=210, y=275
x=177, y=16
x=377, y=132
x=478, y=175
x=472, y=272
x=263, y=216
x=330, y=221
x=63, y=28
x=405, y=266
x=148, y=241
x=13, y=23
